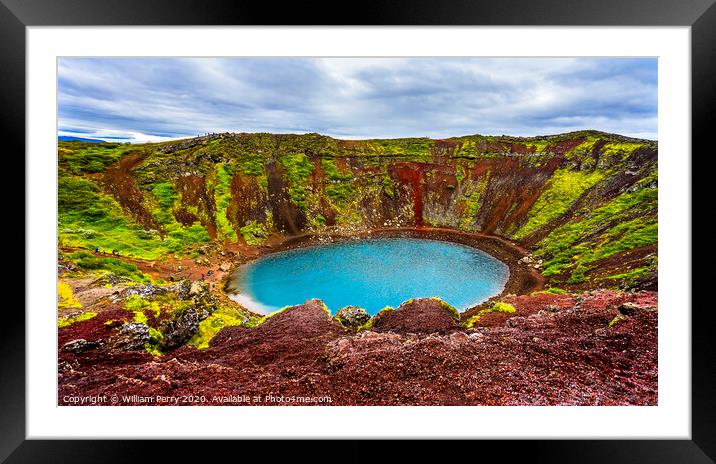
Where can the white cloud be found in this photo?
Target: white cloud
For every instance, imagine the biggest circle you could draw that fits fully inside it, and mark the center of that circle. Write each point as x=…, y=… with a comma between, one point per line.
x=156, y=98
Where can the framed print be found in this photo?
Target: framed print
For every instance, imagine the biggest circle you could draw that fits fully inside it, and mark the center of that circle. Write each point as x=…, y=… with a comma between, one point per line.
x=467, y=221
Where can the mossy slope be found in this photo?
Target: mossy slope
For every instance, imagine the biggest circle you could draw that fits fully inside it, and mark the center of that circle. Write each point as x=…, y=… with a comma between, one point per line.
x=579, y=201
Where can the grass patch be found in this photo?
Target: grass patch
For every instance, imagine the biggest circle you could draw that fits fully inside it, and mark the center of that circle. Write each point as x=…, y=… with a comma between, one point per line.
x=90, y=158
x=90, y=262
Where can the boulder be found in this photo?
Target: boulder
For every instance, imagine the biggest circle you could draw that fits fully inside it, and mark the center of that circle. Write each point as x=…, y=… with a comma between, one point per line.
x=352, y=316
x=66, y=267
x=631, y=309
x=80, y=345
x=225, y=267
x=131, y=337
x=179, y=330
x=198, y=288
x=145, y=291
x=182, y=289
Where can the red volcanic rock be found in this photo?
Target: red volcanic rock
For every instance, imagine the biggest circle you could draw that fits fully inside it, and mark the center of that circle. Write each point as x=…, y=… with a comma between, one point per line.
x=418, y=316
x=554, y=350
x=296, y=332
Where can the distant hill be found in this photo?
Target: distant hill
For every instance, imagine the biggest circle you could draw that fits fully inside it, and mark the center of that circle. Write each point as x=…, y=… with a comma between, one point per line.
x=67, y=138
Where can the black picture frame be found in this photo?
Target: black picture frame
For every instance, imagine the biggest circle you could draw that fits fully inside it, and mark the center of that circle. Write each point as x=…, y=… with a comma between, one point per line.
x=16, y=15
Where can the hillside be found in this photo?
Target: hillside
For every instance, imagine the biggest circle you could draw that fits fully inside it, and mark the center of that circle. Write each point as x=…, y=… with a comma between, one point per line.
x=584, y=203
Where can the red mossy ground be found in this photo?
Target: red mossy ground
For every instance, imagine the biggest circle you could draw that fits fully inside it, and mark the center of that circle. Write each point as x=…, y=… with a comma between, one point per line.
x=556, y=349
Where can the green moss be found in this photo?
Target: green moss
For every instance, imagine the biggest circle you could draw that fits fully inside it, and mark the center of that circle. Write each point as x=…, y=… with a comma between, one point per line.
x=65, y=296
x=138, y=305
x=562, y=190
x=584, y=240
x=90, y=158
x=91, y=262
x=165, y=193
x=498, y=307
x=208, y=328
x=619, y=318
x=298, y=169
x=89, y=218
x=222, y=200
x=619, y=150
x=583, y=149
x=472, y=201
x=252, y=322
x=252, y=162
x=631, y=274
x=254, y=233
x=418, y=149
x=139, y=316
x=552, y=290
x=153, y=350
x=68, y=321
x=454, y=313
x=155, y=340
x=369, y=325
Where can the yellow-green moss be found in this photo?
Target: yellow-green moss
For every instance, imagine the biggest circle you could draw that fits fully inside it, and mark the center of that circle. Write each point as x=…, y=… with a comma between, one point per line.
x=68, y=321
x=633, y=220
x=298, y=168
x=619, y=150
x=65, y=297
x=137, y=305
x=473, y=200
x=619, y=318
x=222, y=200
x=551, y=290
x=498, y=307
x=155, y=340
x=369, y=325
x=261, y=320
x=563, y=189
x=254, y=233
x=454, y=313
x=224, y=316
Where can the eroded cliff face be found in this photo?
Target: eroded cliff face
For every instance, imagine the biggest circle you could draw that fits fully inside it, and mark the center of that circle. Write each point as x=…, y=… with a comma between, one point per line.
x=583, y=203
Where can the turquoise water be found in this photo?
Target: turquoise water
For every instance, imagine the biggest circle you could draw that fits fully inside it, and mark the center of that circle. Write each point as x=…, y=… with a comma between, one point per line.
x=371, y=273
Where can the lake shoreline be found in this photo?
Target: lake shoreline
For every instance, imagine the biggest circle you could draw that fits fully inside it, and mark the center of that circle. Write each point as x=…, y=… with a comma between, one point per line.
x=523, y=279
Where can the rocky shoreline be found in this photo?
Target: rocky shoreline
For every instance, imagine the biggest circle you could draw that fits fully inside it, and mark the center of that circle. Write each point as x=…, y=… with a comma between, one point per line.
x=522, y=279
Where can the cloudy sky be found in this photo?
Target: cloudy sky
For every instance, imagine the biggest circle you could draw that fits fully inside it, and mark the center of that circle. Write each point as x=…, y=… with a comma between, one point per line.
x=150, y=99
